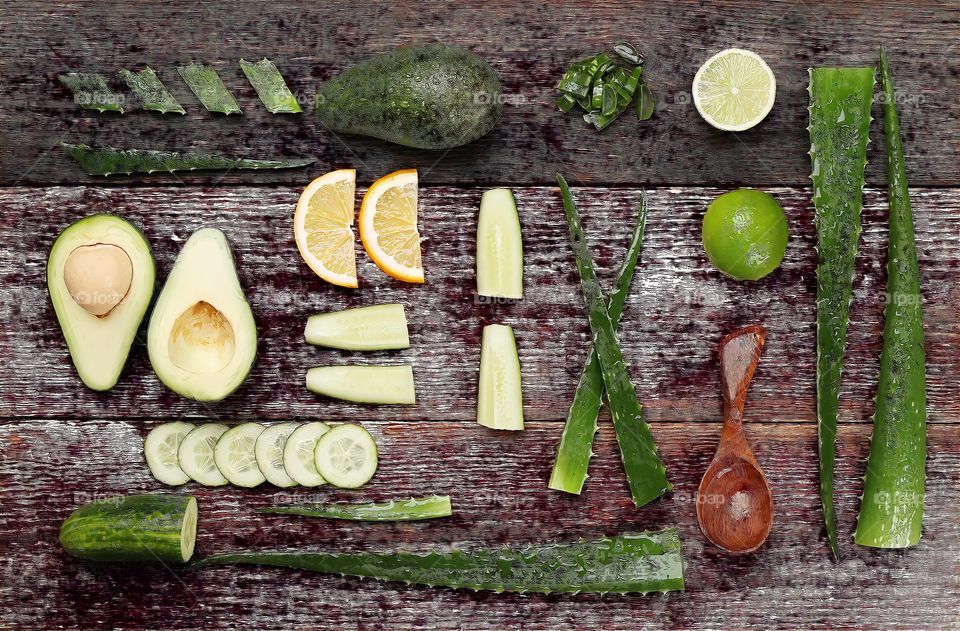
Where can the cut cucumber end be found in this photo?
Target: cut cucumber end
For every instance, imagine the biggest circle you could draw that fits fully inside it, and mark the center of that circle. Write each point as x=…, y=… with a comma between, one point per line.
x=375, y=328
x=161, y=448
x=500, y=400
x=269, y=453
x=235, y=455
x=499, y=246
x=188, y=530
x=391, y=385
x=346, y=456
x=299, y=459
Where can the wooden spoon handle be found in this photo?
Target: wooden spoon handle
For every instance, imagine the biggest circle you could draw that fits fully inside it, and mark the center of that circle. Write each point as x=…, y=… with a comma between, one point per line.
x=739, y=355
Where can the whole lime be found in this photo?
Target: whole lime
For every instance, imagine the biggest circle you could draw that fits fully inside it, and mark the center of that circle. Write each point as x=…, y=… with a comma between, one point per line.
x=745, y=233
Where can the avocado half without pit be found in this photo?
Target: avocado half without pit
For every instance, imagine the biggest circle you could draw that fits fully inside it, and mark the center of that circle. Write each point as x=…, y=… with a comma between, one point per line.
x=202, y=337
x=100, y=274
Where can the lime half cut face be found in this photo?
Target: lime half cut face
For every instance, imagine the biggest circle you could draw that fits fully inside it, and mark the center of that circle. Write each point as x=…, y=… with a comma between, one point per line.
x=734, y=90
x=745, y=233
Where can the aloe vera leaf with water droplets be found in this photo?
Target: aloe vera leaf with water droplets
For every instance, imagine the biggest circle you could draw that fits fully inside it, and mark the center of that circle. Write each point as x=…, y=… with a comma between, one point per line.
x=266, y=79
x=206, y=84
x=91, y=92
x=151, y=92
x=110, y=161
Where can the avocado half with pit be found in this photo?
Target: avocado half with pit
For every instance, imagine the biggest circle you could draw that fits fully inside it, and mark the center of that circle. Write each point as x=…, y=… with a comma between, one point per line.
x=100, y=274
x=202, y=337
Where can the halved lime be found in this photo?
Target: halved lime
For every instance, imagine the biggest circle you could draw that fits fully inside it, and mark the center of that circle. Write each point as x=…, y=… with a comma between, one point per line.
x=734, y=90
x=745, y=233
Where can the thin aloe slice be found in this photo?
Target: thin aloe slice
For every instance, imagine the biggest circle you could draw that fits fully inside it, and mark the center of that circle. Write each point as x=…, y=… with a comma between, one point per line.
x=266, y=79
x=627, y=564
x=891, y=512
x=110, y=161
x=206, y=84
x=91, y=92
x=151, y=92
x=645, y=471
x=414, y=509
x=576, y=444
x=840, y=100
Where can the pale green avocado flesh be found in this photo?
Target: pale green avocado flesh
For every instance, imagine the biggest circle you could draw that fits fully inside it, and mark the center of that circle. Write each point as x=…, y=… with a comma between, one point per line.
x=202, y=337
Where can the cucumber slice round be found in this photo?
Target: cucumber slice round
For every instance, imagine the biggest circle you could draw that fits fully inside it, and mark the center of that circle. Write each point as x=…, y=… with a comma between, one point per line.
x=235, y=455
x=160, y=448
x=196, y=454
x=298, y=454
x=269, y=452
x=346, y=456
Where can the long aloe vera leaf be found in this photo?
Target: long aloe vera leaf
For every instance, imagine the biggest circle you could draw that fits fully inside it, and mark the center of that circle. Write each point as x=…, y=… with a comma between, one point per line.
x=206, y=84
x=576, y=444
x=91, y=92
x=629, y=563
x=109, y=161
x=151, y=92
x=891, y=510
x=645, y=472
x=414, y=509
x=840, y=100
x=266, y=79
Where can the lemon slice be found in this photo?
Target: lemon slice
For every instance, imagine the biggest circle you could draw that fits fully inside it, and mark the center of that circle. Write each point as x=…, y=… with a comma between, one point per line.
x=323, y=227
x=734, y=90
x=388, y=225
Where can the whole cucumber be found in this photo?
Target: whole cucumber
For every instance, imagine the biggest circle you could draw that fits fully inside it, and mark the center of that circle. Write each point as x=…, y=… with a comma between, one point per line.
x=428, y=96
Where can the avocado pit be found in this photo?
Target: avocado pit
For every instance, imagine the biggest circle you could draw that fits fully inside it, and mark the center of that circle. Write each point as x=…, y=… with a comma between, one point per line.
x=202, y=340
x=98, y=277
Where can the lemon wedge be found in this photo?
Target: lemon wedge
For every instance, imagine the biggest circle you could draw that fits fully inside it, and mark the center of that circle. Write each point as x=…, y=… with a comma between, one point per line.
x=388, y=225
x=323, y=227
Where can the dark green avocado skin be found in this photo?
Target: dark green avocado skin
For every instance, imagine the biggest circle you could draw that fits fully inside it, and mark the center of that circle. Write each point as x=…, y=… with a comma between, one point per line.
x=428, y=96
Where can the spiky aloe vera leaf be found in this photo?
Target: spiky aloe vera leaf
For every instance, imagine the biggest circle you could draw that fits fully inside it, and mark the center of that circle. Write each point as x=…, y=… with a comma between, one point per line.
x=266, y=79
x=206, y=84
x=576, y=444
x=414, y=509
x=151, y=92
x=891, y=510
x=645, y=472
x=110, y=161
x=91, y=92
x=840, y=100
x=629, y=563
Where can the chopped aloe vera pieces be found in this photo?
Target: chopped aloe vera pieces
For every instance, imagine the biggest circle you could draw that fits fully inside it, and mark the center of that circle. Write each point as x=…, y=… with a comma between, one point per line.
x=891, y=513
x=626, y=564
x=499, y=246
x=91, y=92
x=575, y=83
x=500, y=397
x=374, y=328
x=609, y=100
x=596, y=96
x=566, y=102
x=576, y=444
x=364, y=384
x=628, y=53
x=645, y=471
x=206, y=84
x=415, y=509
x=840, y=100
x=645, y=103
x=151, y=92
x=270, y=86
x=110, y=161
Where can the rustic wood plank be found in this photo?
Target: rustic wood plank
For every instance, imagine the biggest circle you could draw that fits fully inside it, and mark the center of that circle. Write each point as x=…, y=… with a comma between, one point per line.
x=679, y=309
x=498, y=482
x=529, y=48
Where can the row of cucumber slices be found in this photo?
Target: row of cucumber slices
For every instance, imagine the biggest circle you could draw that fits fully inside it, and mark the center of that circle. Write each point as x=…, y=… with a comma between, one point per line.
x=284, y=454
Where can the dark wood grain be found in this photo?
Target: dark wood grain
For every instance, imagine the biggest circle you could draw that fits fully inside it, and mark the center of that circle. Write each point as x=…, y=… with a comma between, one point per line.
x=679, y=308
x=528, y=44
x=498, y=485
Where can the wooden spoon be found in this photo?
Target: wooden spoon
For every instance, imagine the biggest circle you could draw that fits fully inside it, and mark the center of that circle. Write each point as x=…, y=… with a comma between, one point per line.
x=734, y=503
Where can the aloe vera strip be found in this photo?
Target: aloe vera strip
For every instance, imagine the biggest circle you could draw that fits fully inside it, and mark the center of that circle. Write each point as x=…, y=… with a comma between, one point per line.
x=645, y=471
x=576, y=444
x=414, y=509
x=628, y=563
x=840, y=100
x=266, y=79
x=91, y=92
x=891, y=510
x=206, y=84
x=110, y=161
x=151, y=92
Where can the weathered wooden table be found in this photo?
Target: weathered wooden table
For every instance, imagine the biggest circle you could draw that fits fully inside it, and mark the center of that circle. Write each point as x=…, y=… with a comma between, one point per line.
x=61, y=444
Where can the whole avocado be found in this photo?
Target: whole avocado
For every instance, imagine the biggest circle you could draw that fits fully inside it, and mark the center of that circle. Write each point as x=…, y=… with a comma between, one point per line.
x=428, y=96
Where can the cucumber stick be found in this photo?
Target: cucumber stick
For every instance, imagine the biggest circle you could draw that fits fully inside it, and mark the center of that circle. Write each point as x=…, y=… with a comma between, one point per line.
x=151, y=92
x=645, y=472
x=236, y=457
x=161, y=449
x=499, y=246
x=269, y=453
x=891, y=512
x=415, y=509
x=500, y=397
x=195, y=454
x=142, y=529
x=206, y=84
x=364, y=384
x=840, y=100
x=375, y=328
x=346, y=456
x=629, y=563
x=266, y=79
x=299, y=461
